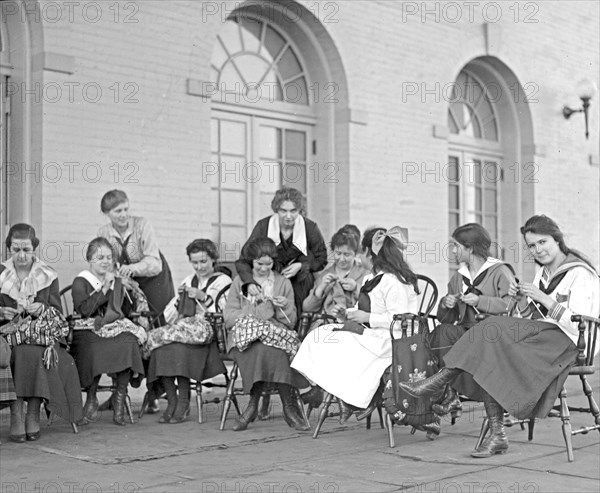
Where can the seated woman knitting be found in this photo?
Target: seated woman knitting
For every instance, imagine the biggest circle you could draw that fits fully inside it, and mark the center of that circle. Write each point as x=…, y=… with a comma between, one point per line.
x=480, y=286
x=185, y=348
x=349, y=359
x=261, y=336
x=522, y=363
x=31, y=320
x=105, y=340
x=336, y=286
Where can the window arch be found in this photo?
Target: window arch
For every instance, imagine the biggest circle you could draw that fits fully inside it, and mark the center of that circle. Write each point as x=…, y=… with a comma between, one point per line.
x=256, y=60
x=475, y=156
x=262, y=124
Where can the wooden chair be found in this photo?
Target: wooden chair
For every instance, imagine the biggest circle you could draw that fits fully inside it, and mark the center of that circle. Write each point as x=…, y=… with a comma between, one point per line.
x=232, y=392
x=584, y=366
x=428, y=294
x=196, y=386
x=72, y=318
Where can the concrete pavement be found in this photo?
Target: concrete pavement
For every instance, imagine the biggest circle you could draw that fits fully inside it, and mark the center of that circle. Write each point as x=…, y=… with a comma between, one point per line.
x=270, y=457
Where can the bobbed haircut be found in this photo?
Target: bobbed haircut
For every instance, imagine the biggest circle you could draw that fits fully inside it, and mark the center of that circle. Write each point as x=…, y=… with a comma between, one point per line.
x=95, y=245
x=22, y=231
x=203, y=245
x=260, y=247
x=112, y=199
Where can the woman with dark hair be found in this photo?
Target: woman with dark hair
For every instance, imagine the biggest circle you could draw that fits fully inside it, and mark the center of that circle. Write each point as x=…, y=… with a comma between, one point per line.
x=301, y=249
x=184, y=349
x=261, y=336
x=31, y=321
x=336, y=286
x=138, y=256
x=522, y=363
x=360, y=350
x=105, y=340
x=480, y=286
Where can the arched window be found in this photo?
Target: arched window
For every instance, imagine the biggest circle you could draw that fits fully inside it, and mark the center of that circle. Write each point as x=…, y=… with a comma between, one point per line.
x=261, y=126
x=475, y=156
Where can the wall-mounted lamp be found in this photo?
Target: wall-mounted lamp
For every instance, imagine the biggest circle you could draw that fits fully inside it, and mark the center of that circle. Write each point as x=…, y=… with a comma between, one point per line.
x=586, y=89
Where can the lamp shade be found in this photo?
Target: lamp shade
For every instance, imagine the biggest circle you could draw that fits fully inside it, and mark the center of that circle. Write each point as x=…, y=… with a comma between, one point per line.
x=586, y=88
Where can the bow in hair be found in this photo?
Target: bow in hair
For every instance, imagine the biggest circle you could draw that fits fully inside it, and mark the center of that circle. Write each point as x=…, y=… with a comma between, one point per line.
x=398, y=234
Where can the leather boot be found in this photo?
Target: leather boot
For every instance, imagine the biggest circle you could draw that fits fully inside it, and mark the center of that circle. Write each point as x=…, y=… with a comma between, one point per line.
x=251, y=411
x=376, y=399
x=90, y=408
x=433, y=385
x=450, y=404
x=346, y=410
x=171, y=391
x=118, y=404
x=291, y=413
x=496, y=442
x=17, y=421
x=107, y=404
x=32, y=420
x=314, y=396
x=182, y=410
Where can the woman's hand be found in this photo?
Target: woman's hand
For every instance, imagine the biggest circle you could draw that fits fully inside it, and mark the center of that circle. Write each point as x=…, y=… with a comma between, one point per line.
x=254, y=290
x=280, y=301
x=536, y=294
x=291, y=270
x=348, y=284
x=196, y=293
x=449, y=301
x=470, y=299
x=36, y=308
x=326, y=281
x=126, y=271
x=513, y=289
x=358, y=316
x=8, y=313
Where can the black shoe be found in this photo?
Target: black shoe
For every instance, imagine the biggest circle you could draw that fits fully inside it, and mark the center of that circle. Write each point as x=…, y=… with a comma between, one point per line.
x=366, y=412
x=346, y=410
x=32, y=437
x=251, y=411
x=314, y=396
x=153, y=407
x=434, y=385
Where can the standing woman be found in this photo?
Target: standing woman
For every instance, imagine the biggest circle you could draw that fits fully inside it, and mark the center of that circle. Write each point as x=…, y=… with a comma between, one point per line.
x=137, y=255
x=348, y=360
x=480, y=285
x=184, y=349
x=106, y=340
x=301, y=249
x=261, y=336
x=522, y=363
x=134, y=242
x=32, y=322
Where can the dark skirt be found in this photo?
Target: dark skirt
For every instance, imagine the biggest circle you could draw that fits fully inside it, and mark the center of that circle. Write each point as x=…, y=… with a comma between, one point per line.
x=521, y=363
x=95, y=355
x=158, y=289
x=196, y=361
x=443, y=337
x=302, y=283
x=59, y=386
x=7, y=387
x=261, y=363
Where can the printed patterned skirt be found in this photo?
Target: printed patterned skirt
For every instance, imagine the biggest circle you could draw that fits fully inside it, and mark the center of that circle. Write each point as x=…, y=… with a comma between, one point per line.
x=521, y=363
x=7, y=387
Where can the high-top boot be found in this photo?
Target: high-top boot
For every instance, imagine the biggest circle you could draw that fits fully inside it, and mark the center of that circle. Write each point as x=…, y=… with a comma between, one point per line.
x=32, y=420
x=171, y=391
x=434, y=385
x=17, y=421
x=119, y=396
x=314, y=396
x=251, y=411
x=450, y=404
x=183, y=401
x=90, y=408
x=496, y=442
x=291, y=413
